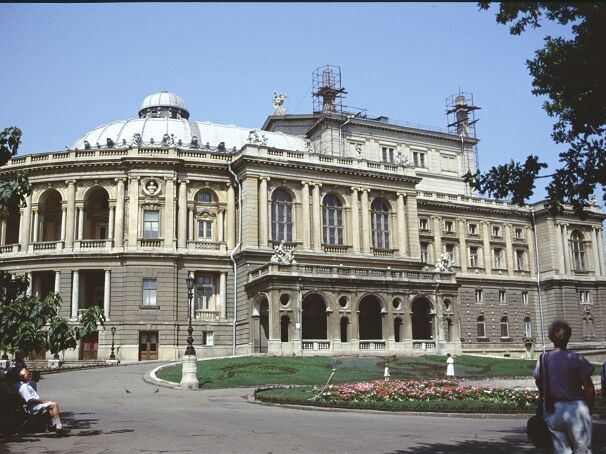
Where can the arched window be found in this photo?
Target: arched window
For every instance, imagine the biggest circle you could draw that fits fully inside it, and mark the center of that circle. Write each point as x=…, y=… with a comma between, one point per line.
x=332, y=220
x=481, y=326
x=204, y=197
x=527, y=327
x=380, y=224
x=504, y=327
x=281, y=216
x=578, y=250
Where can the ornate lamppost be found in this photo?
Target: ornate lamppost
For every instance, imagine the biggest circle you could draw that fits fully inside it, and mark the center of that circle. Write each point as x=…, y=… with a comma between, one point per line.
x=189, y=379
x=112, y=361
x=112, y=356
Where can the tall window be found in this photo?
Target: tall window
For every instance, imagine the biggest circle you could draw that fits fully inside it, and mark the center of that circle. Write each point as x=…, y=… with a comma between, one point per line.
x=205, y=230
x=387, y=154
x=472, y=229
x=498, y=258
x=518, y=233
x=479, y=296
x=380, y=224
x=204, y=292
x=473, y=256
x=527, y=327
x=281, y=216
x=424, y=252
x=578, y=250
x=481, y=324
x=149, y=292
x=423, y=224
x=448, y=227
x=418, y=158
x=332, y=220
x=584, y=297
x=504, y=327
x=450, y=251
x=496, y=231
x=525, y=298
x=502, y=297
x=520, y=260
x=151, y=224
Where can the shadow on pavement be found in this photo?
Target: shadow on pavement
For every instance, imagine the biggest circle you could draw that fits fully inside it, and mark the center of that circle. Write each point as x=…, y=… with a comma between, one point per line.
x=516, y=442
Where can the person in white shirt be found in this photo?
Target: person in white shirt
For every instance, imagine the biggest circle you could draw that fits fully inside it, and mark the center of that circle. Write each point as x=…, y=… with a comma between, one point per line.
x=35, y=404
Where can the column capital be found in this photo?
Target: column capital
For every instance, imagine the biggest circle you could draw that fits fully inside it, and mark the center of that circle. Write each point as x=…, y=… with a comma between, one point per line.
x=68, y=182
x=264, y=179
x=134, y=177
x=305, y=183
x=185, y=181
x=120, y=179
x=318, y=185
x=173, y=178
x=402, y=194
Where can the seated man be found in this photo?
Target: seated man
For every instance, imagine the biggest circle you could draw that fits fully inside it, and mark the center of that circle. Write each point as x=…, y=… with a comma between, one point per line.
x=35, y=404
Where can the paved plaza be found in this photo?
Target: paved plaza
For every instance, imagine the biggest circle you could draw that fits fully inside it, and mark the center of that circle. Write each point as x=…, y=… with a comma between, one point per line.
x=112, y=410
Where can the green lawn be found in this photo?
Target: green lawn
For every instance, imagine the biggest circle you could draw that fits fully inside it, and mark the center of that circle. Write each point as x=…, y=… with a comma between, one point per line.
x=315, y=370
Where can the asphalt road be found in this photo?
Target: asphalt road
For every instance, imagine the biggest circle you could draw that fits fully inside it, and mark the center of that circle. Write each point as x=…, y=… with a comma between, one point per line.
x=105, y=418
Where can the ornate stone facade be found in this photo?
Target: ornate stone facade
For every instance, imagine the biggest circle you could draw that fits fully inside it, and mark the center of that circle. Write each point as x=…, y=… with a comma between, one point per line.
x=123, y=226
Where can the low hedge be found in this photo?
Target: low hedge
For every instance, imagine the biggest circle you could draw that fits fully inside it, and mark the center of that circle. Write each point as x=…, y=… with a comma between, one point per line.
x=305, y=396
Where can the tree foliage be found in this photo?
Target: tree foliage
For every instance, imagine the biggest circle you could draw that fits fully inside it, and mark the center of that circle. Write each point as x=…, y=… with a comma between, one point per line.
x=569, y=72
x=28, y=323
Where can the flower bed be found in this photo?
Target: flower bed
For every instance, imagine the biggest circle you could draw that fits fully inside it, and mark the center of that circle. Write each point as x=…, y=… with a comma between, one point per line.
x=430, y=390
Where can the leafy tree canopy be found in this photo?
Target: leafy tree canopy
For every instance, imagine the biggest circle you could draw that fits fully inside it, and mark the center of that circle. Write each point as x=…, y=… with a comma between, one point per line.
x=28, y=323
x=569, y=72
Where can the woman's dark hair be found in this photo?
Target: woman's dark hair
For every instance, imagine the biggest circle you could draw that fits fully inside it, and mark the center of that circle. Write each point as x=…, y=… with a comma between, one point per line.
x=559, y=333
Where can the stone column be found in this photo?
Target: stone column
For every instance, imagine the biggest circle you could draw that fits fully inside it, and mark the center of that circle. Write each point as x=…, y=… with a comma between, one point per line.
x=365, y=214
x=106, y=294
x=223, y=294
x=169, y=213
x=133, y=212
x=306, y=218
x=63, y=221
x=27, y=221
x=119, y=218
x=401, y=214
x=559, y=248
x=263, y=218
x=437, y=237
x=566, y=246
x=30, y=284
x=529, y=235
x=2, y=231
x=112, y=221
x=463, y=247
x=487, y=251
x=182, y=213
x=75, y=293
x=231, y=217
x=595, y=240
x=317, y=218
x=21, y=214
x=412, y=220
x=509, y=250
x=355, y=221
x=220, y=228
x=57, y=281
x=36, y=225
x=191, y=224
x=80, y=223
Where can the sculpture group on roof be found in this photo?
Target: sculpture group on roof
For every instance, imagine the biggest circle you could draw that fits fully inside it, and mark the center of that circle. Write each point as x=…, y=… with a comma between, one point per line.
x=444, y=264
x=255, y=136
x=278, y=103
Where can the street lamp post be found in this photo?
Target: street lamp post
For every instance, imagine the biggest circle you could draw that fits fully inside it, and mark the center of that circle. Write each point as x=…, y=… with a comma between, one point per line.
x=112, y=361
x=112, y=356
x=189, y=378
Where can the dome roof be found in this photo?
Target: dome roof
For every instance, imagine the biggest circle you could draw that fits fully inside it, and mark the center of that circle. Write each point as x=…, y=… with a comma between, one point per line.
x=154, y=128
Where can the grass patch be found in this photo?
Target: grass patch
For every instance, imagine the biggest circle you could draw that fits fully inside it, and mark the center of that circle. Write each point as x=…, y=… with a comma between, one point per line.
x=254, y=371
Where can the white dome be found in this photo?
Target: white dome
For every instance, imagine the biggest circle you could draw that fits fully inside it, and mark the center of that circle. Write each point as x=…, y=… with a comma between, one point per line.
x=163, y=99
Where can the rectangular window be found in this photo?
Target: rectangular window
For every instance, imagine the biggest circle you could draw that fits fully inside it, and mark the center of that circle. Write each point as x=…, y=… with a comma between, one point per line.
x=472, y=229
x=496, y=231
x=418, y=158
x=504, y=327
x=448, y=226
x=423, y=224
x=150, y=287
x=449, y=163
x=450, y=250
x=584, y=297
x=208, y=338
x=204, y=293
x=387, y=154
x=525, y=298
x=151, y=224
x=518, y=233
x=520, y=260
x=205, y=230
x=424, y=253
x=498, y=258
x=481, y=324
x=479, y=296
x=527, y=328
x=502, y=297
x=473, y=256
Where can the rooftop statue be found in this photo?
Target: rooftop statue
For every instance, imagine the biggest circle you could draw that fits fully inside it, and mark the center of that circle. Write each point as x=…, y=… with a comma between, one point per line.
x=256, y=137
x=136, y=139
x=402, y=159
x=278, y=103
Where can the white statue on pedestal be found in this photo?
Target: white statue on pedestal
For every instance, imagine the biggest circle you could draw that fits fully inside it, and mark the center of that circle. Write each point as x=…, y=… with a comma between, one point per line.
x=445, y=264
x=278, y=103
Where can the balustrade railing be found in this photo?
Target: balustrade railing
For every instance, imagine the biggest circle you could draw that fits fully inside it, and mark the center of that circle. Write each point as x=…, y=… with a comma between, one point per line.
x=315, y=345
x=206, y=315
x=423, y=345
x=372, y=345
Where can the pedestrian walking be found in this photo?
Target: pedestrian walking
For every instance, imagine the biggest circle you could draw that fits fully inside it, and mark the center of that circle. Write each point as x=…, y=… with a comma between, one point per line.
x=449, y=366
x=568, y=393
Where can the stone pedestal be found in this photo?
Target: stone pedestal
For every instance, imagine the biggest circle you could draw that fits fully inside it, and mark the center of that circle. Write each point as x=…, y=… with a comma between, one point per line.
x=54, y=363
x=112, y=362
x=189, y=378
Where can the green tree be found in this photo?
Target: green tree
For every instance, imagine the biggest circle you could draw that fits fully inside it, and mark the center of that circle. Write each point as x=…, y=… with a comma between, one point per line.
x=28, y=323
x=570, y=73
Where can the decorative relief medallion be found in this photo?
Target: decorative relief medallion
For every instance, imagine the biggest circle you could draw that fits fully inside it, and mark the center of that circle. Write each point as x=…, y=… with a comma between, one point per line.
x=151, y=187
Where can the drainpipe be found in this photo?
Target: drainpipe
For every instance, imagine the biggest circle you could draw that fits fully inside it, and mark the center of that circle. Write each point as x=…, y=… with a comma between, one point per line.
x=231, y=256
x=536, y=253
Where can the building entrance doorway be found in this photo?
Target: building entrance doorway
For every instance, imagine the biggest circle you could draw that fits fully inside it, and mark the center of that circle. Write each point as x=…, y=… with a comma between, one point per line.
x=314, y=318
x=148, y=345
x=422, y=320
x=89, y=345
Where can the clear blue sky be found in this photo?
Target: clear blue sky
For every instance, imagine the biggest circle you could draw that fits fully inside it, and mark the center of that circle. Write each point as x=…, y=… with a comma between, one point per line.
x=70, y=67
